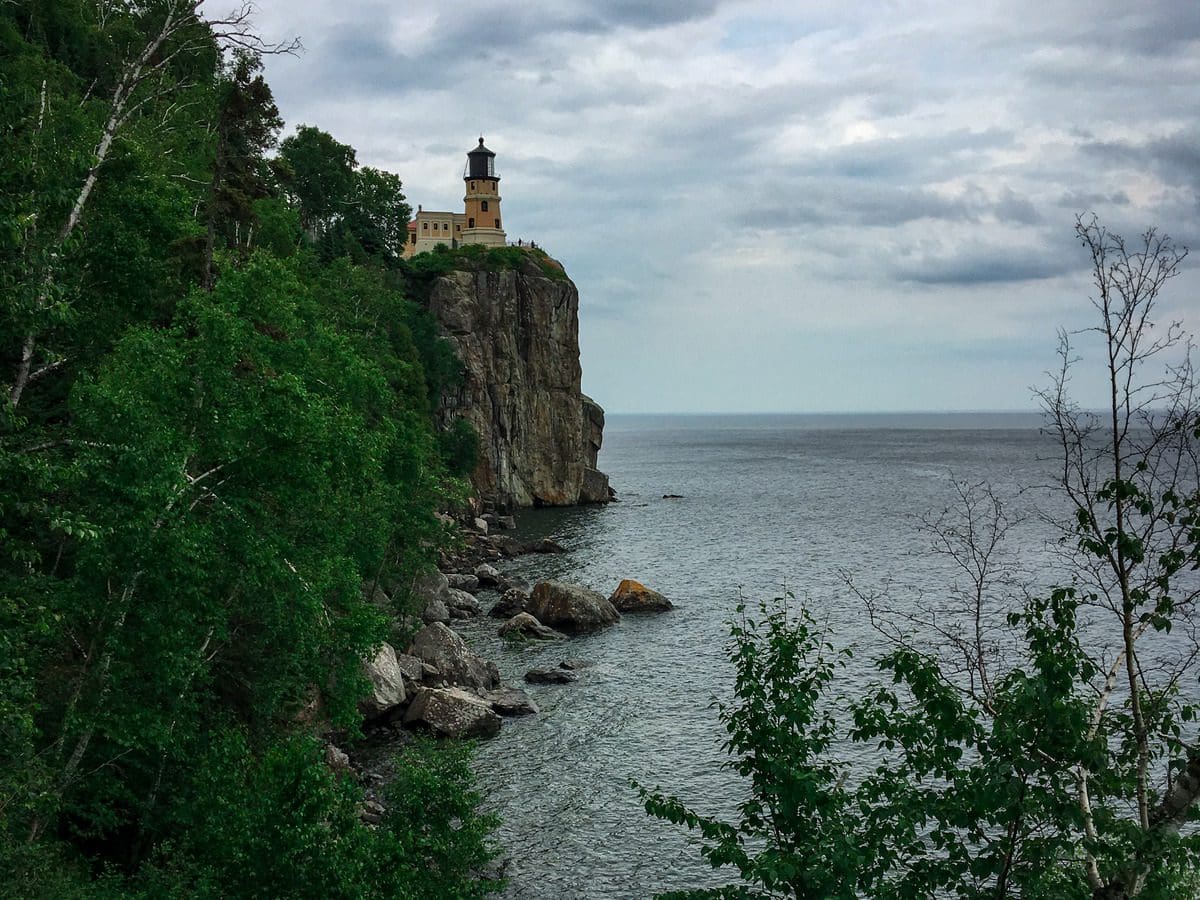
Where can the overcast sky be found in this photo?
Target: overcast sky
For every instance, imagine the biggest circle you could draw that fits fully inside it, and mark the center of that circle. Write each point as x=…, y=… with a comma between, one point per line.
x=769, y=206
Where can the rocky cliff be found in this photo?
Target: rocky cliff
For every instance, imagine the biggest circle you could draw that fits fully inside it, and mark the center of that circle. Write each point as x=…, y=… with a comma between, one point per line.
x=517, y=333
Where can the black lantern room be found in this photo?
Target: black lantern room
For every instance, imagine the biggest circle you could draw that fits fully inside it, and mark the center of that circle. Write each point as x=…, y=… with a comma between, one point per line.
x=481, y=163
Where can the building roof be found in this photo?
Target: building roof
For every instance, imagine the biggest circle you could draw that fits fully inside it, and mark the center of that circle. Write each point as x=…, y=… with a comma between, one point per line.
x=481, y=149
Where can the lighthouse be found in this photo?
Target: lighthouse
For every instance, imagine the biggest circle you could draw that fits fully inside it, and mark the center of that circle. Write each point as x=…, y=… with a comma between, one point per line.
x=479, y=223
x=482, y=199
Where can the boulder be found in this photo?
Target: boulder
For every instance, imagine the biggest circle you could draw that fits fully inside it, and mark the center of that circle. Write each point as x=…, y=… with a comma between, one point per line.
x=509, y=546
x=526, y=626
x=429, y=586
x=594, y=488
x=463, y=582
x=548, y=545
x=550, y=676
x=489, y=576
x=435, y=610
x=574, y=664
x=480, y=524
x=387, y=683
x=571, y=608
x=508, y=701
x=511, y=602
x=439, y=647
x=462, y=605
x=452, y=712
x=506, y=522
x=410, y=666
x=634, y=597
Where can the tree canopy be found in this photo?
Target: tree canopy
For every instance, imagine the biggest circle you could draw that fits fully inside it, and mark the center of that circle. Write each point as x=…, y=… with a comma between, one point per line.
x=217, y=427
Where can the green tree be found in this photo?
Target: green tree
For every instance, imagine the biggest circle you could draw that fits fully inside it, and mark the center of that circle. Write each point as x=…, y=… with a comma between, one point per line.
x=1040, y=746
x=207, y=452
x=377, y=216
x=318, y=172
x=247, y=124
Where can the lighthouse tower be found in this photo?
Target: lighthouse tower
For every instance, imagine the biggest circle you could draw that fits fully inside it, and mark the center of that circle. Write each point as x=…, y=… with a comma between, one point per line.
x=482, y=199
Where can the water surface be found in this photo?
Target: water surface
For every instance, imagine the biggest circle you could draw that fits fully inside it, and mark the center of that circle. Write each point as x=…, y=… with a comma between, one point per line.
x=768, y=504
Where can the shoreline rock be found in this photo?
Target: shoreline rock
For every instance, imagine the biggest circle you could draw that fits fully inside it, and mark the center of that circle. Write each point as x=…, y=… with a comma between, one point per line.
x=511, y=603
x=453, y=712
x=571, y=608
x=634, y=597
x=442, y=649
x=387, y=683
x=526, y=626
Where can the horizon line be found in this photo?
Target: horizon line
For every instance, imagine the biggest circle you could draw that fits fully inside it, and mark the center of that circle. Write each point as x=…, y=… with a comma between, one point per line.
x=826, y=412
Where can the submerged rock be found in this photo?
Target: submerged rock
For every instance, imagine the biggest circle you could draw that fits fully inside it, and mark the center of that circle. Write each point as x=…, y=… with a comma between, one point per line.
x=452, y=712
x=550, y=676
x=507, y=701
x=525, y=625
x=571, y=608
x=634, y=597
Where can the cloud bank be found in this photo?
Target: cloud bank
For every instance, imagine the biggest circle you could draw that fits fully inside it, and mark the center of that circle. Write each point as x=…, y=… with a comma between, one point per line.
x=779, y=206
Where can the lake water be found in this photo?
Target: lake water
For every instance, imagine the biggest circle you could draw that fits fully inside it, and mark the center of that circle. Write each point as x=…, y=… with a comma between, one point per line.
x=768, y=504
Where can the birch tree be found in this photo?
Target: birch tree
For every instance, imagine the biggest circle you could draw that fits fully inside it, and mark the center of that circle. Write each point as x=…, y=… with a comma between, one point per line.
x=150, y=40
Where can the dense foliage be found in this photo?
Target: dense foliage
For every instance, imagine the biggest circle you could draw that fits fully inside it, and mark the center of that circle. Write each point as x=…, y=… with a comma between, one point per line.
x=1016, y=744
x=217, y=425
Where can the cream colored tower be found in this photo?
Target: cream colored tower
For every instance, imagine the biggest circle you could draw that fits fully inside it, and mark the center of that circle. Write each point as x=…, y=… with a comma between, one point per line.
x=482, y=199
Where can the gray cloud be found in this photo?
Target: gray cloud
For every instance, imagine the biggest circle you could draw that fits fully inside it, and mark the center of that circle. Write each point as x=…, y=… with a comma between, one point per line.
x=922, y=164
x=985, y=266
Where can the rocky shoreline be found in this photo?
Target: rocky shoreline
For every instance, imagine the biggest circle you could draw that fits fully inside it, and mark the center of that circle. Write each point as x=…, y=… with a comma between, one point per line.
x=437, y=685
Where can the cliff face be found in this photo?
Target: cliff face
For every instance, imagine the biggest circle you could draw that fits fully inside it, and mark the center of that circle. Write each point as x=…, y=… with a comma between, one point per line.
x=517, y=333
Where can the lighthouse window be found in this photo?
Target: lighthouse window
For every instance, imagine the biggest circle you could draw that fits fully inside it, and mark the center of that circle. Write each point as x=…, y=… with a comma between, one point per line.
x=470, y=223
x=497, y=223
x=483, y=205
x=424, y=226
